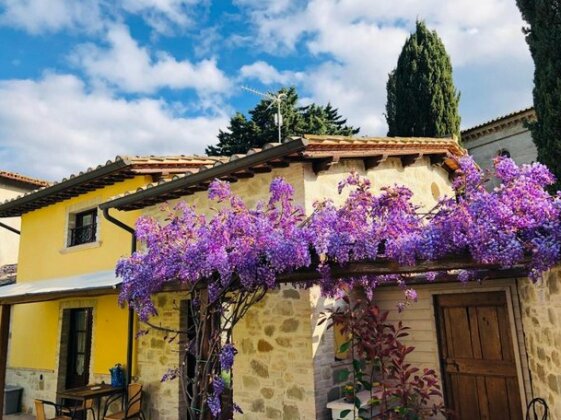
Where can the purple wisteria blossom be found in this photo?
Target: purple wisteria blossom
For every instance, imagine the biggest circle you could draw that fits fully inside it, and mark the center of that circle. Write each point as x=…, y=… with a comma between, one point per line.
x=213, y=400
x=227, y=356
x=516, y=223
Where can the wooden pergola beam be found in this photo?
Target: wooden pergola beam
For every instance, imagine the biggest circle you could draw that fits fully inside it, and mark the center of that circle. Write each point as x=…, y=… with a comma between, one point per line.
x=446, y=267
x=382, y=267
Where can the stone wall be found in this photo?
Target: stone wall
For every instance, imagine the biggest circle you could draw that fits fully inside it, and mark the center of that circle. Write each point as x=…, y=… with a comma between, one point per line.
x=37, y=384
x=286, y=364
x=541, y=316
x=273, y=372
x=327, y=369
x=154, y=356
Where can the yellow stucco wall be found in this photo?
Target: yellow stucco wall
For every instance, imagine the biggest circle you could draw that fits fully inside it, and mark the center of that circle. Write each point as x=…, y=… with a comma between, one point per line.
x=43, y=252
x=35, y=337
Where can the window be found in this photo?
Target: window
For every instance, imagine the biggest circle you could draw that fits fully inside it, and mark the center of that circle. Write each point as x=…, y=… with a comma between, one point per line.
x=84, y=227
x=504, y=153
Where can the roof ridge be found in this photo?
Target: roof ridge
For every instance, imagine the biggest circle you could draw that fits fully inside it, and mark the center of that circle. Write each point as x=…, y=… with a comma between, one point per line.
x=498, y=119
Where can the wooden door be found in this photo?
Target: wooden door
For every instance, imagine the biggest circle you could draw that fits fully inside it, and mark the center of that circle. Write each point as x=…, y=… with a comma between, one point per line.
x=79, y=348
x=477, y=356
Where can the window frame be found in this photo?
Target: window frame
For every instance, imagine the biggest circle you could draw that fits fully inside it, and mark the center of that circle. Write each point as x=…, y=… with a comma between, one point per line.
x=77, y=222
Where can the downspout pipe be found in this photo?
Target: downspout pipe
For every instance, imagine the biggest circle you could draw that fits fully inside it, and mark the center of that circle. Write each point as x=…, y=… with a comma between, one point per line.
x=11, y=229
x=130, y=332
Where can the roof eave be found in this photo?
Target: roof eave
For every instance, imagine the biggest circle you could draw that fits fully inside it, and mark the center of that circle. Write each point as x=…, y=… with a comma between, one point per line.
x=133, y=201
x=10, y=208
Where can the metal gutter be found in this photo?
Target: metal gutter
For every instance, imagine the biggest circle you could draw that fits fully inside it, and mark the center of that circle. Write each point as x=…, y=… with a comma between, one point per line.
x=130, y=329
x=218, y=171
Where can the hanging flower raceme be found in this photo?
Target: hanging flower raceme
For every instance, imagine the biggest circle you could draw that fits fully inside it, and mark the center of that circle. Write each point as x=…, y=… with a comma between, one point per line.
x=237, y=247
x=515, y=223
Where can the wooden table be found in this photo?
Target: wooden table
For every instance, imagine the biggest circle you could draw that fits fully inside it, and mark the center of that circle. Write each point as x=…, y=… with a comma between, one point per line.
x=91, y=392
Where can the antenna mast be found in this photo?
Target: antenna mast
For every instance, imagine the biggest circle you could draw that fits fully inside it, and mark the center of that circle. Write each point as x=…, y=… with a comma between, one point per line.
x=274, y=100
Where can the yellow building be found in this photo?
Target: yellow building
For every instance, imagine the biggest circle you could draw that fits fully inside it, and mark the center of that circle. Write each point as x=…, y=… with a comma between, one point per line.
x=67, y=328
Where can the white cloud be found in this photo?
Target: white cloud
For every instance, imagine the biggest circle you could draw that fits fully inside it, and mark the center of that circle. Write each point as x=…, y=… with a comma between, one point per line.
x=43, y=16
x=40, y=16
x=164, y=15
x=358, y=42
x=55, y=126
x=268, y=75
x=132, y=68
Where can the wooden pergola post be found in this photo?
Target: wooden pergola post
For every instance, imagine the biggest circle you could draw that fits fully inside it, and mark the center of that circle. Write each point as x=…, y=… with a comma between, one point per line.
x=4, y=337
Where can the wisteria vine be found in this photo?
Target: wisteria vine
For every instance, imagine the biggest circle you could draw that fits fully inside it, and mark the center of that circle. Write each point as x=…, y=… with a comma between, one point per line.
x=245, y=249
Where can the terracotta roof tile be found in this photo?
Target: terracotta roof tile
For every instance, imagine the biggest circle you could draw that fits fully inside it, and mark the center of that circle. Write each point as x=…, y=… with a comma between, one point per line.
x=383, y=145
x=14, y=176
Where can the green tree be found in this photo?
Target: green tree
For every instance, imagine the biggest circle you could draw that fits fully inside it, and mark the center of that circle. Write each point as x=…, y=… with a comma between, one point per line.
x=243, y=133
x=543, y=35
x=422, y=100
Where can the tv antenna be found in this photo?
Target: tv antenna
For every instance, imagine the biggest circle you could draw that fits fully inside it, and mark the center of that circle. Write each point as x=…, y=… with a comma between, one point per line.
x=275, y=99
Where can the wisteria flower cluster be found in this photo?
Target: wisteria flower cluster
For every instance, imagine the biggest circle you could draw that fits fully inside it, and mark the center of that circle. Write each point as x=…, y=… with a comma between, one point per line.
x=515, y=223
x=238, y=247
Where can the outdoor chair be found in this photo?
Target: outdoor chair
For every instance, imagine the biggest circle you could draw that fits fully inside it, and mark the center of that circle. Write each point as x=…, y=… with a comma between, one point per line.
x=133, y=406
x=42, y=415
x=537, y=410
x=80, y=411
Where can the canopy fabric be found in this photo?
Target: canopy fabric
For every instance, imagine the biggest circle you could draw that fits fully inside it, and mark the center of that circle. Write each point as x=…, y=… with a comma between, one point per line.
x=90, y=284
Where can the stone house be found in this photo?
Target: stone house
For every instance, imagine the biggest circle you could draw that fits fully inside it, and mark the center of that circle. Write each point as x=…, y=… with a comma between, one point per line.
x=493, y=342
x=507, y=135
x=472, y=334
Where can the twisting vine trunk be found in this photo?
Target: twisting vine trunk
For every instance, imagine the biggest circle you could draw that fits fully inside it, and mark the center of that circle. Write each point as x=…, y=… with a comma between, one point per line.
x=209, y=326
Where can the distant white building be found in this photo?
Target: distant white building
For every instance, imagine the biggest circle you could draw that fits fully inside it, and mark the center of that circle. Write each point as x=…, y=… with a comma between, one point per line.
x=507, y=135
x=12, y=185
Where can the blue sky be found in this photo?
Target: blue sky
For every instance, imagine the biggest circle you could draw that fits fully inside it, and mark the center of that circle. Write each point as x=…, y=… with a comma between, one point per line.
x=81, y=82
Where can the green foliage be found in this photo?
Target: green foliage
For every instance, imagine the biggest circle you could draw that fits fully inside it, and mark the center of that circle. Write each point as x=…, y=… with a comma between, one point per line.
x=398, y=390
x=345, y=413
x=422, y=100
x=543, y=35
x=260, y=128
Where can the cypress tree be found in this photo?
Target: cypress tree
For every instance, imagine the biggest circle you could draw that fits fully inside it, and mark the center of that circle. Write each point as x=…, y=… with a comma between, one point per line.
x=422, y=100
x=543, y=35
x=260, y=128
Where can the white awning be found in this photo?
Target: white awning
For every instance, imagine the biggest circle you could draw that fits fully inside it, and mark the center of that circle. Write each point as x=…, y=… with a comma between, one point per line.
x=91, y=284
